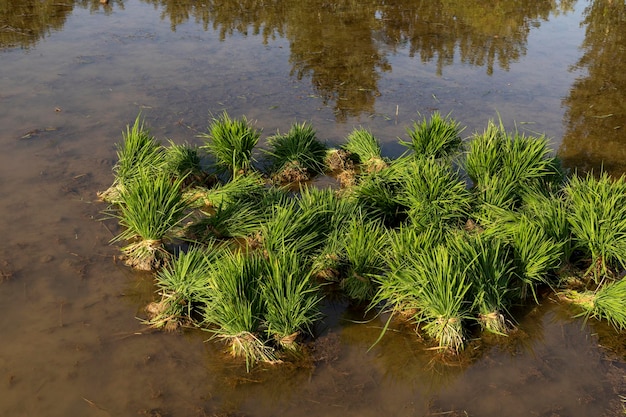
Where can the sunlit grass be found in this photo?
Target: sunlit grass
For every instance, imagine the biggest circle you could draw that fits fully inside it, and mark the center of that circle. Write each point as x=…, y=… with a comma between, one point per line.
x=438, y=137
x=138, y=151
x=231, y=142
x=297, y=155
x=290, y=298
x=151, y=206
x=597, y=215
x=366, y=147
x=608, y=303
x=233, y=307
x=181, y=284
x=433, y=194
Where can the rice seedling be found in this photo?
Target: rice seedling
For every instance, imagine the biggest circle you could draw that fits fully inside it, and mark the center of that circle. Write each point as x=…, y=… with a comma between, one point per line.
x=248, y=187
x=376, y=195
x=597, y=215
x=433, y=194
x=297, y=155
x=331, y=210
x=536, y=255
x=365, y=146
x=138, y=151
x=432, y=287
x=181, y=284
x=300, y=226
x=550, y=213
x=233, y=308
x=439, y=137
x=505, y=167
x=183, y=160
x=607, y=302
x=231, y=142
x=228, y=221
x=290, y=298
x=362, y=245
x=408, y=240
x=491, y=272
x=151, y=206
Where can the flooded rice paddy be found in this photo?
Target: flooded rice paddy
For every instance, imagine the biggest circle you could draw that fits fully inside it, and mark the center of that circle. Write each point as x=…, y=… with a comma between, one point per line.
x=73, y=74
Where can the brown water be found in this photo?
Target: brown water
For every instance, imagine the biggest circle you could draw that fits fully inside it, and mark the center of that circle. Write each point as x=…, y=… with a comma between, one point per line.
x=74, y=73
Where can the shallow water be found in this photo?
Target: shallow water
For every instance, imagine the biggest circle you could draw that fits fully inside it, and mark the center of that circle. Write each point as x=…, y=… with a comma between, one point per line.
x=73, y=74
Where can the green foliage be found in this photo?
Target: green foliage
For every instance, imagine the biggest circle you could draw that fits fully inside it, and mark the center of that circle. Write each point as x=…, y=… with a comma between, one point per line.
x=290, y=299
x=296, y=155
x=366, y=147
x=233, y=308
x=138, y=151
x=181, y=284
x=597, y=215
x=439, y=137
x=362, y=246
x=231, y=142
x=433, y=194
x=182, y=161
x=608, y=303
x=151, y=206
x=505, y=167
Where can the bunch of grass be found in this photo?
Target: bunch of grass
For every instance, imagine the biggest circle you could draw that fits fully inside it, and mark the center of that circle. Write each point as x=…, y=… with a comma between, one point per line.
x=151, y=206
x=246, y=187
x=228, y=221
x=439, y=137
x=551, y=214
x=289, y=225
x=366, y=147
x=138, y=151
x=181, y=284
x=363, y=244
x=331, y=210
x=297, y=155
x=233, y=307
x=506, y=167
x=536, y=256
x=433, y=194
x=377, y=196
x=597, y=215
x=231, y=142
x=491, y=271
x=432, y=287
x=183, y=160
x=607, y=302
x=291, y=299
x=408, y=240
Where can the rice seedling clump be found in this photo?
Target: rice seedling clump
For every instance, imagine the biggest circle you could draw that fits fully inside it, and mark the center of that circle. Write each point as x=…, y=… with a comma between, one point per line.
x=445, y=239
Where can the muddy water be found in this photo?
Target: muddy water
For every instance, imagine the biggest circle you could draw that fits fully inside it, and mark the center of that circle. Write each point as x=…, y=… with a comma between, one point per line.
x=73, y=74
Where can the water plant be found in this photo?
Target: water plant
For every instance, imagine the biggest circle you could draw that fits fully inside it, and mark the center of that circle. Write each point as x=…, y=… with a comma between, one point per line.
x=432, y=289
x=138, y=151
x=438, y=137
x=231, y=142
x=597, y=215
x=180, y=284
x=297, y=155
x=433, y=194
x=504, y=167
x=151, y=205
x=490, y=268
x=366, y=147
x=233, y=308
x=607, y=302
x=362, y=246
x=183, y=160
x=290, y=298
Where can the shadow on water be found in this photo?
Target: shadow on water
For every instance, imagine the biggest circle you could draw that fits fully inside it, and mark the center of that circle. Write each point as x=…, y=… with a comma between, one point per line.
x=73, y=74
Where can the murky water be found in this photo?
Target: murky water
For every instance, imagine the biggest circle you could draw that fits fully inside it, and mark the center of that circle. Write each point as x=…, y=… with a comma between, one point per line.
x=74, y=73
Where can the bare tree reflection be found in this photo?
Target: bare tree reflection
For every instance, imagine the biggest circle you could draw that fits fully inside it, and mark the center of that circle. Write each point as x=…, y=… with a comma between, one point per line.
x=596, y=109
